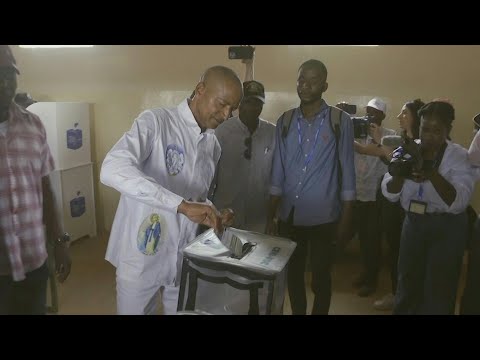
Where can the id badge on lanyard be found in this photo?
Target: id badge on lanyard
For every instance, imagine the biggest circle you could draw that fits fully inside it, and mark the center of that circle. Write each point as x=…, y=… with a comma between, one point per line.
x=418, y=206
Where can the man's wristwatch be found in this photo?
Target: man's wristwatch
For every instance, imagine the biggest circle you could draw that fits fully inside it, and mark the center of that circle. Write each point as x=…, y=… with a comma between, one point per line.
x=64, y=239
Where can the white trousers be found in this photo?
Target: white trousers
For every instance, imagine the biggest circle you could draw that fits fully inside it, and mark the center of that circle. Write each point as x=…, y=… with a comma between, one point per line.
x=137, y=298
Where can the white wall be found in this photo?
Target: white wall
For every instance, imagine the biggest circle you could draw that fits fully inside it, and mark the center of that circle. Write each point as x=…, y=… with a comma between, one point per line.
x=122, y=80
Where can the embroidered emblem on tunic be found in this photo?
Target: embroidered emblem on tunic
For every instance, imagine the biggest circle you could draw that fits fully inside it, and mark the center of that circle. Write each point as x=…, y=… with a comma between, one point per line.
x=175, y=159
x=149, y=235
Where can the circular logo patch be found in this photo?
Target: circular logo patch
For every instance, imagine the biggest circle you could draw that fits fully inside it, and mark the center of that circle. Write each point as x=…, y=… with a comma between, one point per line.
x=175, y=158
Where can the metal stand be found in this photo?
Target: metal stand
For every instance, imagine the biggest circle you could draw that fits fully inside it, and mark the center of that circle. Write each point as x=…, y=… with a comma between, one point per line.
x=192, y=274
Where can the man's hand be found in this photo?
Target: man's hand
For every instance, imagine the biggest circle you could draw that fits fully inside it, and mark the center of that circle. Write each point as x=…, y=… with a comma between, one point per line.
x=227, y=217
x=344, y=226
x=202, y=213
x=271, y=228
x=249, y=61
x=420, y=176
x=375, y=132
x=63, y=262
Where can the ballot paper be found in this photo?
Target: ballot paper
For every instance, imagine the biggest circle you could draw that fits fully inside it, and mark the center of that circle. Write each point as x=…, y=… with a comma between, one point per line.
x=255, y=251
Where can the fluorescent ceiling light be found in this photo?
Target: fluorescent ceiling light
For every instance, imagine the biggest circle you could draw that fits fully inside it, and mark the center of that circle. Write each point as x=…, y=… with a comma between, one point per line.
x=328, y=45
x=53, y=46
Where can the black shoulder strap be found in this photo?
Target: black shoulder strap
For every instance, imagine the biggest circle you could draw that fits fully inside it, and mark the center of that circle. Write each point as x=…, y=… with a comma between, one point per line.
x=287, y=120
x=335, y=120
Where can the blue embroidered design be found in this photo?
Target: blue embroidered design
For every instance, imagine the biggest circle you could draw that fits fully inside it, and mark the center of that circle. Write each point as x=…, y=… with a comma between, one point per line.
x=175, y=159
x=148, y=238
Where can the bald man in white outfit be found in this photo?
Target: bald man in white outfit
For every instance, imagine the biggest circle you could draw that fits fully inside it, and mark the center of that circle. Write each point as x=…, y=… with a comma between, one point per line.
x=163, y=168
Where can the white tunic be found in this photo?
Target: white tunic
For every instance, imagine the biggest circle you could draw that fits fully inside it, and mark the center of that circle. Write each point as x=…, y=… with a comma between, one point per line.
x=162, y=160
x=243, y=184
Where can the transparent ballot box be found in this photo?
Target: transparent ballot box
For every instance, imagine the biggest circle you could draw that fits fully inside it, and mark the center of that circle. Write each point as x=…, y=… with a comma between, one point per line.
x=242, y=272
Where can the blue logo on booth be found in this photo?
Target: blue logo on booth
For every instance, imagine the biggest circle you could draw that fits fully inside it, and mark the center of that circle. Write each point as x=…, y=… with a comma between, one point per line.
x=74, y=138
x=175, y=159
x=77, y=206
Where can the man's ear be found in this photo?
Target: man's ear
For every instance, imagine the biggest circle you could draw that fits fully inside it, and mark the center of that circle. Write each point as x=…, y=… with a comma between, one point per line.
x=325, y=87
x=200, y=88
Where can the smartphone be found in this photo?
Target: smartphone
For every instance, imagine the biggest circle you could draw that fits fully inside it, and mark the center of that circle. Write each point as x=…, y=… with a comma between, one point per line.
x=240, y=52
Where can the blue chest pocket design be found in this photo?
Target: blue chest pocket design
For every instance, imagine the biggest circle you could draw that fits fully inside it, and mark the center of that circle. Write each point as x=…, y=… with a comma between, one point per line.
x=148, y=239
x=77, y=206
x=74, y=138
x=175, y=159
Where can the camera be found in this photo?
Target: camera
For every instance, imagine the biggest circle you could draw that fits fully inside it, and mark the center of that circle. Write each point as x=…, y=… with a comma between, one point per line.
x=348, y=108
x=361, y=126
x=404, y=161
x=241, y=52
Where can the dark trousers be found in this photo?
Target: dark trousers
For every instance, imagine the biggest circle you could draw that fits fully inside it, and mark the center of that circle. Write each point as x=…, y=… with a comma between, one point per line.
x=471, y=294
x=392, y=215
x=367, y=225
x=320, y=240
x=26, y=297
x=429, y=263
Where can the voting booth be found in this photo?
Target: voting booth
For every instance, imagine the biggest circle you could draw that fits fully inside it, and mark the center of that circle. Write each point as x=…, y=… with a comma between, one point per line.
x=67, y=126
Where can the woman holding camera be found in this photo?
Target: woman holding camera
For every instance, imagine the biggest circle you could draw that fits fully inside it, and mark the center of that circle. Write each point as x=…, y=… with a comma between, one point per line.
x=409, y=123
x=434, y=196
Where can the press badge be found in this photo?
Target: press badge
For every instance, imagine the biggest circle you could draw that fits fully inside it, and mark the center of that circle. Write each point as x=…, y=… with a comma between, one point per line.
x=417, y=207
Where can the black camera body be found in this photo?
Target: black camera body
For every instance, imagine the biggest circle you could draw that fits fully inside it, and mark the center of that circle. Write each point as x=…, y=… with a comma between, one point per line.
x=404, y=162
x=241, y=52
x=361, y=126
x=350, y=109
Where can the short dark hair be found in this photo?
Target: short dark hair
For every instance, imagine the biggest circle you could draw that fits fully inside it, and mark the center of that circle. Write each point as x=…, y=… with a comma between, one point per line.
x=441, y=110
x=314, y=63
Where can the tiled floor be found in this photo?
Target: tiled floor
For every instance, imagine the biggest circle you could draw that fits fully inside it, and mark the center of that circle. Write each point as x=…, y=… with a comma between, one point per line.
x=90, y=289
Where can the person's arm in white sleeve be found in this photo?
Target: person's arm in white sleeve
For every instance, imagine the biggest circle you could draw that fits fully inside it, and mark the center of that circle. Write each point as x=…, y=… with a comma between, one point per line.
x=392, y=187
x=122, y=167
x=463, y=182
x=474, y=150
x=461, y=177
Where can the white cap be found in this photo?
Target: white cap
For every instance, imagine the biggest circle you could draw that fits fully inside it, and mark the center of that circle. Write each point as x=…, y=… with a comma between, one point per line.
x=378, y=104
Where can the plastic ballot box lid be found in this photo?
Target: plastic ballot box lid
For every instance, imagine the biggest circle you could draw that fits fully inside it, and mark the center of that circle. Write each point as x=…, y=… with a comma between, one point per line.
x=256, y=252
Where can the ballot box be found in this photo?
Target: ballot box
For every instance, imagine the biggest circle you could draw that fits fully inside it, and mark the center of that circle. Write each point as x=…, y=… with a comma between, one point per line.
x=241, y=273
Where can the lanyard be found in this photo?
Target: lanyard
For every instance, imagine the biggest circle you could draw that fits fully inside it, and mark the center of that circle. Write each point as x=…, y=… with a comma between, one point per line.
x=310, y=154
x=420, y=192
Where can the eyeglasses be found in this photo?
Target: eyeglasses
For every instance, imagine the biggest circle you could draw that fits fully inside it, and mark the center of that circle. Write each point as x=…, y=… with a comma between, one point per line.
x=248, y=151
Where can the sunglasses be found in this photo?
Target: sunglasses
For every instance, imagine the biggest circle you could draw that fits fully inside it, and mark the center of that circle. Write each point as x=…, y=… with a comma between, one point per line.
x=247, y=154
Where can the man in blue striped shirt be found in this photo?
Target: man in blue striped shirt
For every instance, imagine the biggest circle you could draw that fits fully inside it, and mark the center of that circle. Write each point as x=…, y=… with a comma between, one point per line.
x=314, y=194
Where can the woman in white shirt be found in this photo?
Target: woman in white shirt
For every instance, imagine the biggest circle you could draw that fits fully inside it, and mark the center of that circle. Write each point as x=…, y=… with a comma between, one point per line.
x=434, y=233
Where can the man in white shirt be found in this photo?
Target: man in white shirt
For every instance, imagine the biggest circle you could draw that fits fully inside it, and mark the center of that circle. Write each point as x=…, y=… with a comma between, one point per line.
x=368, y=171
x=163, y=168
x=243, y=173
